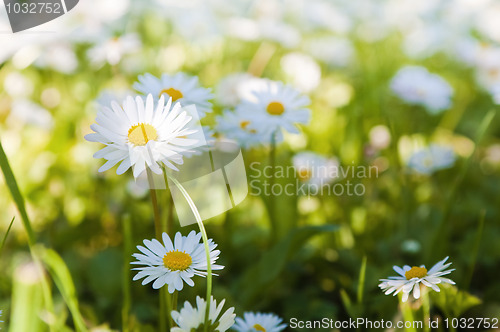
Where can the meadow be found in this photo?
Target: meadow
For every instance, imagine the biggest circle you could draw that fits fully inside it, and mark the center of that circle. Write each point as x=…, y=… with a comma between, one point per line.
x=369, y=137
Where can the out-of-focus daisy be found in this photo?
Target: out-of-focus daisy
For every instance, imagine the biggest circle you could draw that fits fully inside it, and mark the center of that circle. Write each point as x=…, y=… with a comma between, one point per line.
x=277, y=106
x=174, y=264
x=315, y=169
x=191, y=318
x=410, y=278
x=332, y=50
x=416, y=86
x=255, y=322
x=431, y=159
x=112, y=49
x=180, y=87
x=242, y=128
x=302, y=70
x=28, y=112
x=234, y=88
x=140, y=135
x=495, y=92
x=380, y=137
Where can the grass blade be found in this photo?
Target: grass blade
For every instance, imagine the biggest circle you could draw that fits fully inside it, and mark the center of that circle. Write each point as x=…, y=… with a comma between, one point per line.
x=16, y=194
x=6, y=234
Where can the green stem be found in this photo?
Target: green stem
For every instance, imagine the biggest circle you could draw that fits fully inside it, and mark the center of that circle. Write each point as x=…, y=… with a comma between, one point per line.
x=164, y=326
x=205, y=242
x=127, y=249
x=6, y=234
x=272, y=214
x=426, y=307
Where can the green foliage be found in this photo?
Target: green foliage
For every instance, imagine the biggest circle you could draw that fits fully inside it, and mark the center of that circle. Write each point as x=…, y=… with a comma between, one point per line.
x=453, y=302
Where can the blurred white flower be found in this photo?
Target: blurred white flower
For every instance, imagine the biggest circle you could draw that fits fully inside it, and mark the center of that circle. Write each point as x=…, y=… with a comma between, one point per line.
x=315, y=169
x=242, y=128
x=495, y=92
x=234, y=88
x=141, y=134
x=280, y=32
x=410, y=279
x=415, y=85
x=254, y=322
x=303, y=72
x=334, y=51
x=192, y=319
x=277, y=106
x=59, y=56
x=432, y=159
x=380, y=137
x=180, y=87
x=112, y=49
x=17, y=85
x=174, y=263
x=488, y=67
x=31, y=113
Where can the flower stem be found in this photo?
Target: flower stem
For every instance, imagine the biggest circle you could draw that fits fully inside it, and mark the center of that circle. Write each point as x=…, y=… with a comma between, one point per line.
x=426, y=307
x=164, y=326
x=205, y=242
x=272, y=214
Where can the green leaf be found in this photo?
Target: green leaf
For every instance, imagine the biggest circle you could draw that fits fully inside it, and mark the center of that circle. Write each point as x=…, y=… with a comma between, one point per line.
x=27, y=299
x=10, y=180
x=452, y=301
x=6, y=234
x=62, y=278
x=273, y=262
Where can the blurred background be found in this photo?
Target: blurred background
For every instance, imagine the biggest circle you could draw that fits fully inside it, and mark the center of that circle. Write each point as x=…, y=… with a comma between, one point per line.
x=329, y=251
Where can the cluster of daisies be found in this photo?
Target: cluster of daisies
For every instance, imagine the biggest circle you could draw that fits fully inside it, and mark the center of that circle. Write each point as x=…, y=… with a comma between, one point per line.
x=173, y=264
x=156, y=130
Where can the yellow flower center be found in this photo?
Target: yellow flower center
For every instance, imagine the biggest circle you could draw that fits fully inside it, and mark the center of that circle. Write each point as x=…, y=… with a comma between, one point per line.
x=304, y=173
x=416, y=272
x=244, y=124
x=177, y=260
x=259, y=327
x=174, y=93
x=141, y=134
x=275, y=108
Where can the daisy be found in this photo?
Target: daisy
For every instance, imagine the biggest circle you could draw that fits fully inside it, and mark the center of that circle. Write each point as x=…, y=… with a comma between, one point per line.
x=302, y=71
x=410, y=279
x=191, y=318
x=431, y=159
x=277, y=106
x=416, y=86
x=255, y=322
x=112, y=49
x=315, y=169
x=180, y=87
x=140, y=135
x=242, y=128
x=174, y=263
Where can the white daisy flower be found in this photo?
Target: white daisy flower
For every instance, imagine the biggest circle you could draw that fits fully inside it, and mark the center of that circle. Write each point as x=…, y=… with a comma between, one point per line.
x=112, y=49
x=191, y=318
x=416, y=86
x=277, y=106
x=302, y=71
x=255, y=322
x=410, y=278
x=315, y=169
x=174, y=263
x=242, y=128
x=180, y=87
x=432, y=159
x=140, y=135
